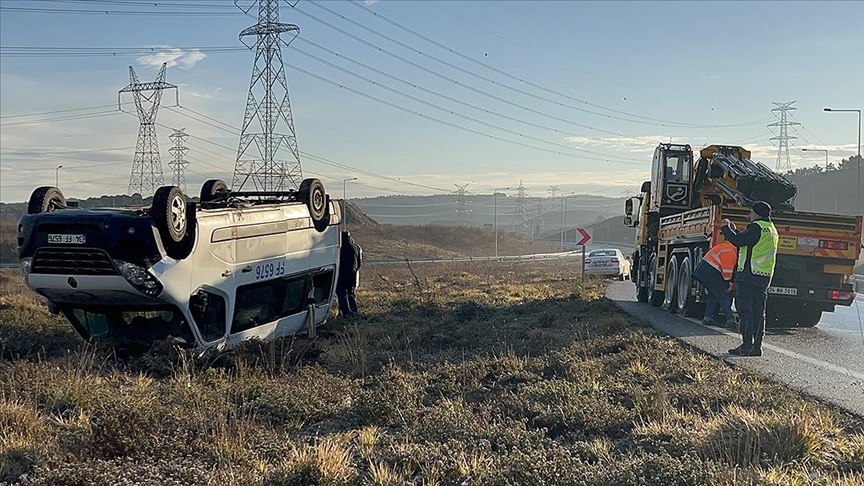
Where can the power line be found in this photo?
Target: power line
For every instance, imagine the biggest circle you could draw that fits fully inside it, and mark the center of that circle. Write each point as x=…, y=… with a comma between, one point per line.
x=450, y=124
x=643, y=119
x=467, y=117
x=449, y=98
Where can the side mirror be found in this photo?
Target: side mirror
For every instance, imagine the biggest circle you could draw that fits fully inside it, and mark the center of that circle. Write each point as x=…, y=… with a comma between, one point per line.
x=628, y=221
x=628, y=207
x=646, y=186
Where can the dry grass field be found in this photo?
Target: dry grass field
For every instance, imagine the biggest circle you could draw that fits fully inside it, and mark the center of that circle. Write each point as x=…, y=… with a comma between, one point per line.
x=475, y=374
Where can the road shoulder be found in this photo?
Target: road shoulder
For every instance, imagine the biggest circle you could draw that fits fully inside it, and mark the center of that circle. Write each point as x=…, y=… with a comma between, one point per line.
x=827, y=381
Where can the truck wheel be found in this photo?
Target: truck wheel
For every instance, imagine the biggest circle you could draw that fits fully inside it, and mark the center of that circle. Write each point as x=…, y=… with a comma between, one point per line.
x=312, y=193
x=686, y=302
x=45, y=199
x=636, y=278
x=213, y=190
x=655, y=297
x=670, y=300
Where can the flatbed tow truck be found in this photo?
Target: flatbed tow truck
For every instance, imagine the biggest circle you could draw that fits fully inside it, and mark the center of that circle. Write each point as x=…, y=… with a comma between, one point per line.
x=678, y=219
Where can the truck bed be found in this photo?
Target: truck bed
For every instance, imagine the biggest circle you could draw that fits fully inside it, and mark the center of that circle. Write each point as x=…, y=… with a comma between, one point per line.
x=830, y=236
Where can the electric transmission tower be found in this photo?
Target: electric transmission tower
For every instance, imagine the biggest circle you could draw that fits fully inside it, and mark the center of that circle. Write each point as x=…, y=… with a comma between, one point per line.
x=783, y=138
x=553, y=191
x=541, y=219
x=146, y=165
x=520, y=215
x=268, y=152
x=179, y=163
x=461, y=202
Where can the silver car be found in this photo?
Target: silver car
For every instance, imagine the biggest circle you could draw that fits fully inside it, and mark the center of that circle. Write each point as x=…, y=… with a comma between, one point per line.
x=609, y=262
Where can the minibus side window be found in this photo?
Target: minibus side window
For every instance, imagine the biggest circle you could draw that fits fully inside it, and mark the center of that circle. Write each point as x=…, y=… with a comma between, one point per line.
x=322, y=286
x=256, y=305
x=208, y=310
x=264, y=302
x=295, y=296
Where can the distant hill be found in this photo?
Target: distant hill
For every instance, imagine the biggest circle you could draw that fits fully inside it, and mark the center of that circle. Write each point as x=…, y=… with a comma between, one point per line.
x=543, y=214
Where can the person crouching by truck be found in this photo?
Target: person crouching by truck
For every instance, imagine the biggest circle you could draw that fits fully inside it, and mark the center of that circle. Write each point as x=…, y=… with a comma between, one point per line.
x=757, y=255
x=714, y=272
x=346, y=284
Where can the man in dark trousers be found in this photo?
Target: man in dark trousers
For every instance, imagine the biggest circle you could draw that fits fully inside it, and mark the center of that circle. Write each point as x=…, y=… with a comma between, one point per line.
x=757, y=254
x=714, y=272
x=349, y=266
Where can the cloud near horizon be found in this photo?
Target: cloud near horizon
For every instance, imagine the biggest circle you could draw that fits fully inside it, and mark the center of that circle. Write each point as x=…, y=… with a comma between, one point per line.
x=172, y=56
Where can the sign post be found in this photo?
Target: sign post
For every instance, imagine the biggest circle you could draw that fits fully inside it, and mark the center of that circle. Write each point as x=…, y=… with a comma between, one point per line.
x=586, y=237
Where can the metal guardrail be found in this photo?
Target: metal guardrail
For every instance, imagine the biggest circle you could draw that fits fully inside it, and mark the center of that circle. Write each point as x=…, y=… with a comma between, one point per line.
x=514, y=258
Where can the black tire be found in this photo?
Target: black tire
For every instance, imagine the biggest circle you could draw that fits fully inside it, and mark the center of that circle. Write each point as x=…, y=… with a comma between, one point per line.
x=46, y=199
x=213, y=190
x=641, y=292
x=670, y=299
x=686, y=301
x=655, y=297
x=169, y=211
x=313, y=194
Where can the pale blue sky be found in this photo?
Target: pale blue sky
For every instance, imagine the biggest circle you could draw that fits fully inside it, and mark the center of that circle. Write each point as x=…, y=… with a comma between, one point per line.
x=698, y=63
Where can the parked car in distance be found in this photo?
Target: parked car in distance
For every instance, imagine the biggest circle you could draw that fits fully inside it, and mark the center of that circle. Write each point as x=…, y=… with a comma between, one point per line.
x=608, y=262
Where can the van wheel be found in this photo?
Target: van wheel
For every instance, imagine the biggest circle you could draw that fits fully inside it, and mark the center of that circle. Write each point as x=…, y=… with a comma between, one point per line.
x=45, y=199
x=213, y=190
x=169, y=211
x=312, y=193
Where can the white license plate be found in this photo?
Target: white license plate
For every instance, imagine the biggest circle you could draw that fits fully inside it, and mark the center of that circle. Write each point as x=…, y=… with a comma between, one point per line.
x=67, y=239
x=782, y=291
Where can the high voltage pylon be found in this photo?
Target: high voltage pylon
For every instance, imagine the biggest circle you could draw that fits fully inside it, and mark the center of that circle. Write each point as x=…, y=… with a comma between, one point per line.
x=520, y=214
x=461, y=202
x=783, y=137
x=146, y=165
x=541, y=218
x=179, y=163
x=268, y=152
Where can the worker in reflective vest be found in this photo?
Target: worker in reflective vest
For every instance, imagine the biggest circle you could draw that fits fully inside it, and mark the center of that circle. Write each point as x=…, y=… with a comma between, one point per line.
x=757, y=255
x=714, y=272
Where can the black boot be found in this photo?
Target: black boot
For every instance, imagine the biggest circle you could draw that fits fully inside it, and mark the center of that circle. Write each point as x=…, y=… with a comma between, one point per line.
x=743, y=350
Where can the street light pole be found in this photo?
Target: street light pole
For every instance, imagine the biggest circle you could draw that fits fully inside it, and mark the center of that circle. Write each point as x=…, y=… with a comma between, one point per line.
x=858, y=189
x=57, y=176
x=564, y=216
x=495, y=215
x=345, y=202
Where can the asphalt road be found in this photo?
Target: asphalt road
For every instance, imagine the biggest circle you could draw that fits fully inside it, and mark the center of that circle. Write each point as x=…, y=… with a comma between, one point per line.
x=826, y=361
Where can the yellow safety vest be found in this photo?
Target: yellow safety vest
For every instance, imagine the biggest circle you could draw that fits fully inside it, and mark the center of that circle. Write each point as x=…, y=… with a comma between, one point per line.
x=764, y=252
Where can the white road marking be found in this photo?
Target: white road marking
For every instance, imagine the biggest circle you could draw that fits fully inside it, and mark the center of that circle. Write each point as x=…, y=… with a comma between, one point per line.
x=792, y=354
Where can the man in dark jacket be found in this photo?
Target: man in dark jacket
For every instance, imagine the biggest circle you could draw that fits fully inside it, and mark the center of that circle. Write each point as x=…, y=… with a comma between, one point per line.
x=346, y=284
x=757, y=253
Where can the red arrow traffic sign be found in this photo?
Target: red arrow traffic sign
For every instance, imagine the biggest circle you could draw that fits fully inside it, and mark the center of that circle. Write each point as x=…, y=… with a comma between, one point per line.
x=586, y=237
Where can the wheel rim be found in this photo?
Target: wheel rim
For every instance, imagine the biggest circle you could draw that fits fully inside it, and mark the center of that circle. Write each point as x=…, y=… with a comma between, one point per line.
x=318, y=201
x=684, y=283
x=178, y=214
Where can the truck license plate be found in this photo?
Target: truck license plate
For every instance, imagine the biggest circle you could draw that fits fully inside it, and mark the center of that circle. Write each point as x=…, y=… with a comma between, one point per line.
x=67, y=239
x=782, y=291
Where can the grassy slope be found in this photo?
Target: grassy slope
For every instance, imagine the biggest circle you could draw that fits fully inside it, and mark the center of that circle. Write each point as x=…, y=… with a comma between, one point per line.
x=478, y=374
